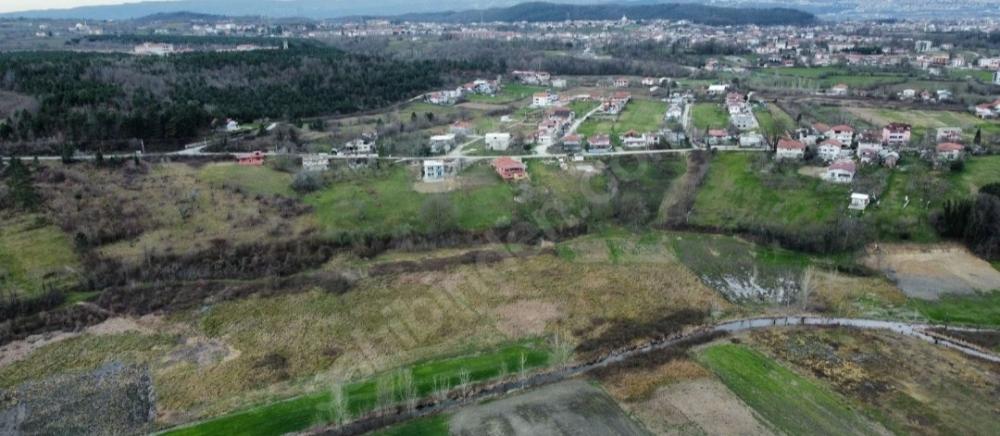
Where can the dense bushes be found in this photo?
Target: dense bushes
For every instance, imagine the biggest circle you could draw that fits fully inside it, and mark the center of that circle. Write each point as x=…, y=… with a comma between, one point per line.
x=975, y=221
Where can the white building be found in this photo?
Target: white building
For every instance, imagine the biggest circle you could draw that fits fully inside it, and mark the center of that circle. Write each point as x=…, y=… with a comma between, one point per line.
x=149, y=48
x=442, y=143
x=840, y=172
x=859, y=201
x=434, y=171
x=829, y=150
x=544, y=99
x=717, y=89
x=497, y=141
x=790, y=149
x=316, y=162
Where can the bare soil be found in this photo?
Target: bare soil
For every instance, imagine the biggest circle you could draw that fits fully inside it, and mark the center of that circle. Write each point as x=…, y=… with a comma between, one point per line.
x=695, y=407
x=569, y=408
x=527, y=317
x=930, y=271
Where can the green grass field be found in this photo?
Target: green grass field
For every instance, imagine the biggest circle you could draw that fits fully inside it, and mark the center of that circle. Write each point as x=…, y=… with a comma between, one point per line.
x=979, y=171
x=709, y=116
x=894, y=217
x=641, y=115
x=982, y=309
x=34, y=255
x=253, y=180
x=735, y=194
x=792, y=404
x=436, y=425
x=821, y=77
x=773, y=119
x=303, y=412
x=386, y=203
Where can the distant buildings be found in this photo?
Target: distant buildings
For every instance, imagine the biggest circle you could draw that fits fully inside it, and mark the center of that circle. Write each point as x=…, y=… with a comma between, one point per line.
x=154, y=49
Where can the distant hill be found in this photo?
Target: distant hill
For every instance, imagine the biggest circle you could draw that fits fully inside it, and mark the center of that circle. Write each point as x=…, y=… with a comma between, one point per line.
x=540, y=12
x=502, y=10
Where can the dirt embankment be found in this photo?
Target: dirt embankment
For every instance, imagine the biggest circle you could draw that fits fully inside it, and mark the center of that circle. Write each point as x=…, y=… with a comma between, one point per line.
x=928, y=272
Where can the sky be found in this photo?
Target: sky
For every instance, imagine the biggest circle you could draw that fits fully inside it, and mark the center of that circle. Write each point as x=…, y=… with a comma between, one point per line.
x=30, y=5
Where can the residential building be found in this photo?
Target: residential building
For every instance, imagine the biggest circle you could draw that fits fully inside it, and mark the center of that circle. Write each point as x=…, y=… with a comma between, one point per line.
x=717, y=137
x=544, y=99
x=949, y=134
x=599, y=144
x=949, y=151
x=254, y=159
x=839, y=90
x=510, y=169
x=717, y=89
x=841, y=171
x=830, y=150
x=622, y=82
x=461, y=128
x=572, y=143
x=434, y=171
x=150, y=48
x=842, y=133
x=633, y=139
x=498, y=141
x=440, y=144
x=896, y=134
x=316, y=162
x=751, y=140
x=790, y=149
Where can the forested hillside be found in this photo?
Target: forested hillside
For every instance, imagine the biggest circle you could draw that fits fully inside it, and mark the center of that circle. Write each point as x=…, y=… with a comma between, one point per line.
x=109, y=99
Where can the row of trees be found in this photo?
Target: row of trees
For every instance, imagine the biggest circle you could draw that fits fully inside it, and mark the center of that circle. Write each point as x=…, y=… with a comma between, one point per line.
x=975, y=221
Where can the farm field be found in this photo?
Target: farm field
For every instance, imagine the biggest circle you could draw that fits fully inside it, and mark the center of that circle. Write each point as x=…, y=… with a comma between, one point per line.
x=790, y=403
x=773, y=119
x=421, y=379
x=709, y=116
x=253, y=180
x=907, y=385
x=821, y=77
x=35, y=255
x=736, y=194
x=979, y=171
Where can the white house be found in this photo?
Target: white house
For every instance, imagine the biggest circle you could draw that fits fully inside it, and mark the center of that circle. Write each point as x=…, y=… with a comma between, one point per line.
x=790, y=149
x=559, y=83
x=316, y=162
x=232, y=126
x=859, y=201
x=751, y=140
x=544, y=99
x=434, y=171
x=744, y=121
x=841, y=171
x=839, y=90
x=949, y=134
x=442, y=143
x=497, y=141
x=829, y=150
x=842, y=133
x=717, y=89
x=150, y=48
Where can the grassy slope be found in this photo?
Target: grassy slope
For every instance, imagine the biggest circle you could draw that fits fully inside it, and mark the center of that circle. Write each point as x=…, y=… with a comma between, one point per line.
x=789, y=402
x=709, y=116
x=979, y=171
x=254, y=180
x=982, y=309
x=893, y=216
x=387, y=202
x=303, y=412
x=641, y=115
x=735, y=194
x=34, y=254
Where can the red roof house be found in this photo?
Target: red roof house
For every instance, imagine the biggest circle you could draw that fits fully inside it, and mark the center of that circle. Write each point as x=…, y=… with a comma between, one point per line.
x=509, y=169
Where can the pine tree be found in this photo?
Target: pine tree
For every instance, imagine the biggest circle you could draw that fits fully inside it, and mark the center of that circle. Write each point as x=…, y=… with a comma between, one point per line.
x=22, y=188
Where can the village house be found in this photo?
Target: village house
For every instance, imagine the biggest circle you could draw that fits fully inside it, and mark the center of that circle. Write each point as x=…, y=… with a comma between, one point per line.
x=599, y=144
x=440, y=144
x=896, y=134
x=622, y=82
x=949, y=151
x=842, y=133
x=859, y=201
x=633, y=139
x=572, y=143
x=616, y=103
x=532, y=77
x=890, y=158
x=717, y=137
x=544, y=99
x=254, y=159
x=839, y=90
x=461, y=128
x=649, y=81
x=232, y=125
x=790, y=149
x=949, y=134
x=497, y=141
x=315, y=162
x=443, y=97
x=717, y=89
x=841, y=171
x=434, y=171
x=559, y=83
x=510, y=169
x=744, y=120
x=829, y=150
x=155, y=49
x=988, y=110
x=751, y=140
x=360, y=146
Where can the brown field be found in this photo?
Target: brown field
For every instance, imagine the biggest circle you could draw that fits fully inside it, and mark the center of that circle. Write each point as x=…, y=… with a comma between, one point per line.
x=702, y=406
x=928, y=272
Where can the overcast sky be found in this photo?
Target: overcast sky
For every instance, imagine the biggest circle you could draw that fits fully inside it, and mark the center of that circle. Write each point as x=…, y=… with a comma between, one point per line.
x=30, y=5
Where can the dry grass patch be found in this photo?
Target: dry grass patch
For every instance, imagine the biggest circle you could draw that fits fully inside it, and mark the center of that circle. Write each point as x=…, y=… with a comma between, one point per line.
x=842, y=294
x=640, y=384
